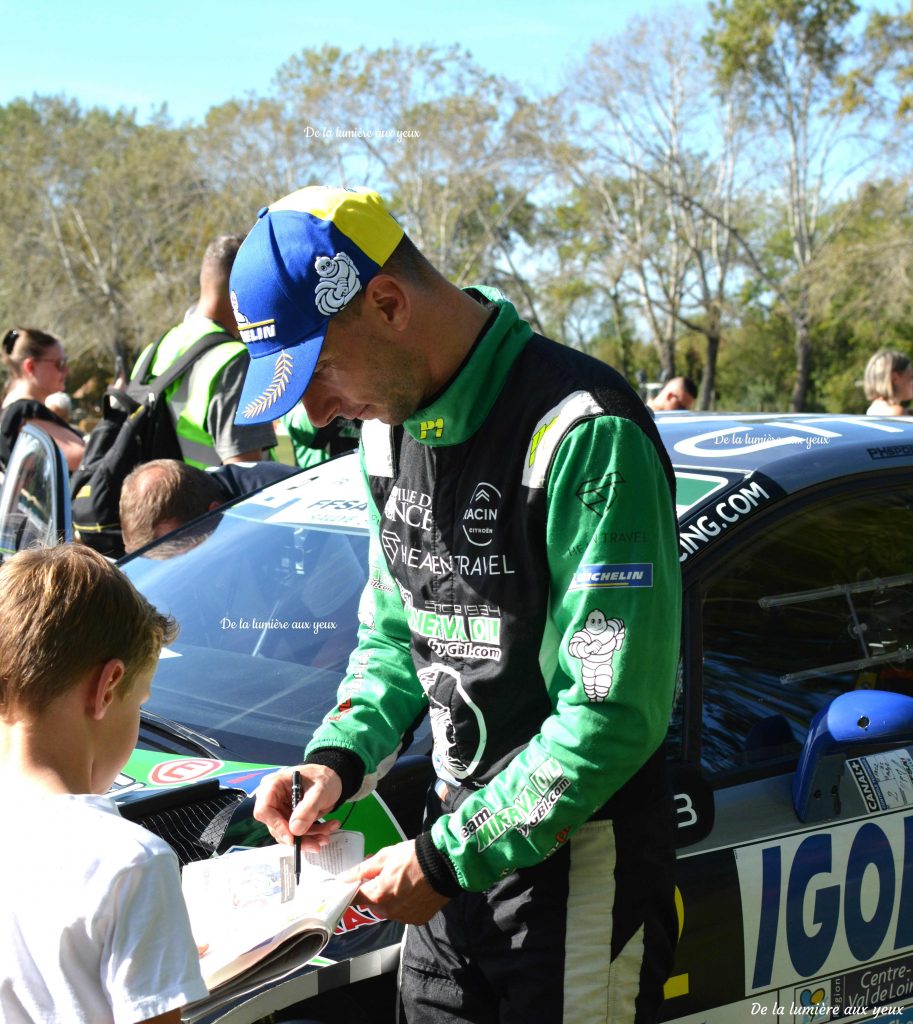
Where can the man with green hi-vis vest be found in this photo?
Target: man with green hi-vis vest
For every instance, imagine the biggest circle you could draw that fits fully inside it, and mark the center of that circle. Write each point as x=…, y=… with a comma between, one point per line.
x=204, y=400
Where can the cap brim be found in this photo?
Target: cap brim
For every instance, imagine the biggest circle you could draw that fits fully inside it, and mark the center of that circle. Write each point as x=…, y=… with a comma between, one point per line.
x=274, y=383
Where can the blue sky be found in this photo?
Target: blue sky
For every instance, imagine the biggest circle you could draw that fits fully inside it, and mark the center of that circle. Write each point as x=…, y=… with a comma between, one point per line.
x=197, y=53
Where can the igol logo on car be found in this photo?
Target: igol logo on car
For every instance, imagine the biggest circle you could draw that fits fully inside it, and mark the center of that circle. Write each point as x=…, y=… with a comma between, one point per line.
x=183, y=770
x=826, y=902
x=481, y=515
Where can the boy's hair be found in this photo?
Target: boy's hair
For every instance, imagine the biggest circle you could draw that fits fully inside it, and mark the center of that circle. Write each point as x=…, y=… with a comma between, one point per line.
x=63, y=611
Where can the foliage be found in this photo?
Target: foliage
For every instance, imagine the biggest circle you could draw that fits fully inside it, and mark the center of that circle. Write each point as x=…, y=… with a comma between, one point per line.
x=109, y=215
x=723, y=211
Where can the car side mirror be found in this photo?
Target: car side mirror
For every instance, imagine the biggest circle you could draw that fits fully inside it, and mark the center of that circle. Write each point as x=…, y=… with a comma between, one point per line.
x=842, y=742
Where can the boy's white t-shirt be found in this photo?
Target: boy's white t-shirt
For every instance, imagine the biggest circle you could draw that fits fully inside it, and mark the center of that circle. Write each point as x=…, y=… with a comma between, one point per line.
x=93, y=926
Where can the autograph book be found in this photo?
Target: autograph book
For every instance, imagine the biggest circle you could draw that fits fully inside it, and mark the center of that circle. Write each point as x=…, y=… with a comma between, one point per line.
x=253, y=922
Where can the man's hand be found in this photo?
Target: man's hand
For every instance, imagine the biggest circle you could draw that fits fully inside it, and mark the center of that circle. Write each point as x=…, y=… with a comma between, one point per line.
x=321, y=790
x=394, y=886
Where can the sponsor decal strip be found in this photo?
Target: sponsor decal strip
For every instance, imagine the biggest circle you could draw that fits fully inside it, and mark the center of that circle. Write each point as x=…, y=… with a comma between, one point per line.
x=827, y=902
x=705, y=526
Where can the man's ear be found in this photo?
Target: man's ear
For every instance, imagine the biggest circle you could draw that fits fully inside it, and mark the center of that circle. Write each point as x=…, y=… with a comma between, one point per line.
x=385, y=294
x=103, y=687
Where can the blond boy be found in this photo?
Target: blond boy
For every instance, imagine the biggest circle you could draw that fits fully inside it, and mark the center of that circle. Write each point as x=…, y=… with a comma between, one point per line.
x=92, y=924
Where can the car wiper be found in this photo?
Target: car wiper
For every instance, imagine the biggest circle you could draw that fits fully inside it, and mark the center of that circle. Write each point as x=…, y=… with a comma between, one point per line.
x=837, y=590
x=892, y=657
x=168, y=727
x=874, y=650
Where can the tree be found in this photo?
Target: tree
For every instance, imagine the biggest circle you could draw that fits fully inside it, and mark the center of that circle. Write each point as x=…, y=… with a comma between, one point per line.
x=251, y=152
x=793, y=59
x=110, y=216
x=660, y=161
x=455, y=150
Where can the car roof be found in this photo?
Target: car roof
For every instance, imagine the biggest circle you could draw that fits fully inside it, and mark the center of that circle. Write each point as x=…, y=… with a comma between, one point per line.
x=794, y=451
x=791, y=449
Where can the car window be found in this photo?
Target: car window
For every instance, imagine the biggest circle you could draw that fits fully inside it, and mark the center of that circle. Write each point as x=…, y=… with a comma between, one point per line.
x=267, y=610
x=816, y=604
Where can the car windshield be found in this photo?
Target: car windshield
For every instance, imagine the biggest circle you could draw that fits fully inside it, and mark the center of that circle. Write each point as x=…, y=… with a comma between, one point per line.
x=265, y=593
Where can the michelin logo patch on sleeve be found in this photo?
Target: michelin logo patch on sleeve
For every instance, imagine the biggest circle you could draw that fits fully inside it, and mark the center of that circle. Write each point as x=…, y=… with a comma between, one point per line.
x=600, y=577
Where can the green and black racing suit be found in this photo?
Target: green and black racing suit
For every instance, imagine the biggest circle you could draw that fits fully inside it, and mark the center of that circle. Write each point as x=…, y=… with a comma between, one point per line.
x=525, y=593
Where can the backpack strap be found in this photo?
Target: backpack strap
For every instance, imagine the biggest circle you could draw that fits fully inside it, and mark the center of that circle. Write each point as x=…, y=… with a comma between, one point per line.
x=164, y=380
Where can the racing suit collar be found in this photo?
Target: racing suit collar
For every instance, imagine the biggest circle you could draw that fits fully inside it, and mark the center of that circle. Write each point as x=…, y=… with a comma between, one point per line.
x=459, y=410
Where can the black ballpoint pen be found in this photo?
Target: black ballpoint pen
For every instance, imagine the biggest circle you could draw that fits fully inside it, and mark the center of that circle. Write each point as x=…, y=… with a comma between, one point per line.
x=296, y=796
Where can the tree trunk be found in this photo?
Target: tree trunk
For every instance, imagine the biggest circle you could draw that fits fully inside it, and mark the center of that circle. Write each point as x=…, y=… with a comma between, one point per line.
x=706, y=393
x=803, y=363
x=665, y=346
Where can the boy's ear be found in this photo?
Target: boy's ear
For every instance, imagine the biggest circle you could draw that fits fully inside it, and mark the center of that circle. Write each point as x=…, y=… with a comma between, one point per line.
x=103, y=687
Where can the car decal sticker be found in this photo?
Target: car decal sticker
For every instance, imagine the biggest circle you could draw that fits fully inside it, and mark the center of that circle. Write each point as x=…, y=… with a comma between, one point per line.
x=343, y=513
x=826, y=901
x=183, y=770
x=748, y=439
x=711, y=519
x=885, y=780
x=814, y=925
x=692, y=488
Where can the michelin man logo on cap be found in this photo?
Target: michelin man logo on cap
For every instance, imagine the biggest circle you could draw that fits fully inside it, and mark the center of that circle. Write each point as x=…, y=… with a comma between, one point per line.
x=339, y=282
x=305, y=259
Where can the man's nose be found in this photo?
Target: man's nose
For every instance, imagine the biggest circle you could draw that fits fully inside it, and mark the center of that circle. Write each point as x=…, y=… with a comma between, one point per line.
x=320, y=406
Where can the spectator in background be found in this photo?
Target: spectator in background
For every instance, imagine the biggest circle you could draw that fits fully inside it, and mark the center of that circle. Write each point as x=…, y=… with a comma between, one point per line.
x=161, y=495
x=36, y=365
x=677, y=393
x=888, y=383
x=205, y=400
x=61, y=405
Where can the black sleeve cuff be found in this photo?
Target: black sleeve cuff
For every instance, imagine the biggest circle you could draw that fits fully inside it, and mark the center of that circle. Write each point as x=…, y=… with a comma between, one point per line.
x=348, y=766
x=436, y=867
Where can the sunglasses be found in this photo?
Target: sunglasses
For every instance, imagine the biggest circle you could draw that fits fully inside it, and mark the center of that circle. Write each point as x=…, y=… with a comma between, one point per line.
x=62, y=363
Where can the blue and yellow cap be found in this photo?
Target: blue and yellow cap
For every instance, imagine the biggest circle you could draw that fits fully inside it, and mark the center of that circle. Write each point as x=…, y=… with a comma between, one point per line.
x=305, y=259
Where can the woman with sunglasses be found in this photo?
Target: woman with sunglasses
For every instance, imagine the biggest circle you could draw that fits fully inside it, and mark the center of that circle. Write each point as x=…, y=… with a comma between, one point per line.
x=36, y=366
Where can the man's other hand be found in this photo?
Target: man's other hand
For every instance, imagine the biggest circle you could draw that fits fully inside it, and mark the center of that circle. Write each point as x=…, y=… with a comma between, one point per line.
x=394, y=886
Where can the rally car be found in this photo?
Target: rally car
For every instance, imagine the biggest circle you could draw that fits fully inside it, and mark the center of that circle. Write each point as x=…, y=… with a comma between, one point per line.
x=790, y=746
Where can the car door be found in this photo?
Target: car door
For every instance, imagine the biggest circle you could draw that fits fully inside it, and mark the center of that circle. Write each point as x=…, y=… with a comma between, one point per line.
x=796, y=900
x=35, y=496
